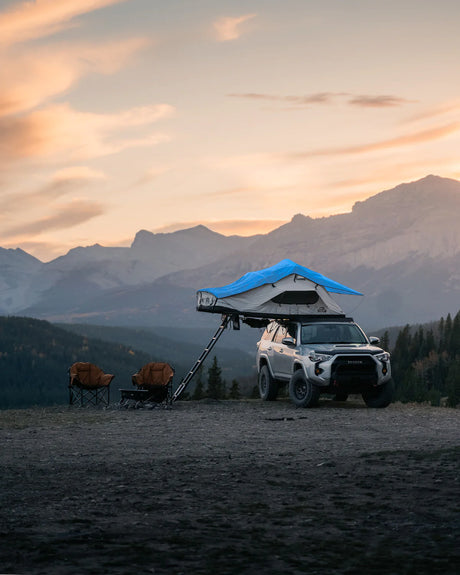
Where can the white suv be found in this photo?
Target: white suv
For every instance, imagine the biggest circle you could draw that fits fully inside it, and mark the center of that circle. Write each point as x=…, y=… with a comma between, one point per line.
x=331, y=356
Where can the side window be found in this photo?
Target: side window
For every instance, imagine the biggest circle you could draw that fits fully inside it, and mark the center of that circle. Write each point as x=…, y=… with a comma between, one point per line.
x=269, y=331
x=280, y=334
x=292, y=330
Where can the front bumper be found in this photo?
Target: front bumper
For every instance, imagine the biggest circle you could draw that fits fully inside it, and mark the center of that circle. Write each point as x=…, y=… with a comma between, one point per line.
x=349, y=372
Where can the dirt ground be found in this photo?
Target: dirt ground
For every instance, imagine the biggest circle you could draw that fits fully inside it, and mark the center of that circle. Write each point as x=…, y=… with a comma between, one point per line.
x=232, y=487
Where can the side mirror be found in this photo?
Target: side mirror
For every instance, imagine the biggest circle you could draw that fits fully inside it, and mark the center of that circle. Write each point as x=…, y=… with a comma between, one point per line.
x=290, y=341
x=374, y=340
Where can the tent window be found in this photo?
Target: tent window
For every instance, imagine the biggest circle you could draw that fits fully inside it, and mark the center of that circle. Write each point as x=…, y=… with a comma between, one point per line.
x=296, y=297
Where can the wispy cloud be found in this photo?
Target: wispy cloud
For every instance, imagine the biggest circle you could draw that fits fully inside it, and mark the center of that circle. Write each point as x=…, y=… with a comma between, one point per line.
x=31, y=20
x=61, y=131
x=29, y=79
x=150, y=176
x=63, y=182
x=67, y=216
x=78, y=173
x=419, y=137
x=380, y=101
x=306, y=101
x=229, y=28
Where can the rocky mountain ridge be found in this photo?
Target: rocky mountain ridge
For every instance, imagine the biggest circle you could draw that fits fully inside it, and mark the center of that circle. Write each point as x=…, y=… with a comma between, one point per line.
x=400, y=247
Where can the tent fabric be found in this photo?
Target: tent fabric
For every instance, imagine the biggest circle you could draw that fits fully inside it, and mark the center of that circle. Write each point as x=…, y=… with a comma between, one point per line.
x=285, y=289
x=273, y=274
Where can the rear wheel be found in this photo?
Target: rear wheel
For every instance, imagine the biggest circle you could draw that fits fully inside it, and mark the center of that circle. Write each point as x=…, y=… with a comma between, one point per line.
x=302, y=391
x=380, y=396
x=268, y=386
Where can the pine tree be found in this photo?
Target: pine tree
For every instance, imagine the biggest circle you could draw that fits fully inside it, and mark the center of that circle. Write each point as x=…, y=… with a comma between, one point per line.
x=234, y=390
x=453, y=384
x=198, y=392
x=215, y=384
x=385, y=341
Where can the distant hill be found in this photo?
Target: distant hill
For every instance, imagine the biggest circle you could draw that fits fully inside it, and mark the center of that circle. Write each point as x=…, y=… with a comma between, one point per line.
x=236, y=351
x=35, y=356
x=401, y=248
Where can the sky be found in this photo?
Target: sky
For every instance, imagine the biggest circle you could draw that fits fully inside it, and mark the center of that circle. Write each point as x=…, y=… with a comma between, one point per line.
x=122, y=115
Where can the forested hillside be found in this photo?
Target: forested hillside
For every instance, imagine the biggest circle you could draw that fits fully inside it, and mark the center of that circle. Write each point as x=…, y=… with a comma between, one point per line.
x=426, y=362
x=35, y=357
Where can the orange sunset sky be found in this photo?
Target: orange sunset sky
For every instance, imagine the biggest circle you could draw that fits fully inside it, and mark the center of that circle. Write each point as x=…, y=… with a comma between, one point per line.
x=121, y=115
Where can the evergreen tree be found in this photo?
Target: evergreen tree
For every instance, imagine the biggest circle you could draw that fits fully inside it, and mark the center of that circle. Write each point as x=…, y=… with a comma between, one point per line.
x=234, y=390
x=198, y=392
x=215, y=388
x=454, y=344
x=385, y=341
x=453, y=384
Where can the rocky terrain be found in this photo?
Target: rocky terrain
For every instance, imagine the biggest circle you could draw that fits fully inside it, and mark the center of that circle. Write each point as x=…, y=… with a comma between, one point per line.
x=234, y=487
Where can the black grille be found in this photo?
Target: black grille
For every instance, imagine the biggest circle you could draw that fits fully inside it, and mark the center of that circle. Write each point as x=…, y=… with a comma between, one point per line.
x=353, y=372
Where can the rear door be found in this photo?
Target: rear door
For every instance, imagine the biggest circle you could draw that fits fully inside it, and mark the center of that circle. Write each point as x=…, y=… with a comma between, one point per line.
x=280, y=354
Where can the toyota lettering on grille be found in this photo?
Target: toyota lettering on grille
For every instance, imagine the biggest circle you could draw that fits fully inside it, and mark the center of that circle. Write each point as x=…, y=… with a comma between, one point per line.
x=355, y=362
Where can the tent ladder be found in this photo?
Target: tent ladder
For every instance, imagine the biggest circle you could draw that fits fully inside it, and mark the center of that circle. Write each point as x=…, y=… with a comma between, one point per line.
x=204, y=354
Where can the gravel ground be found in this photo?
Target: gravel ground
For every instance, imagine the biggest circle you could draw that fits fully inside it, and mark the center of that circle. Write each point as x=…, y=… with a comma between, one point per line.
x=233, y=487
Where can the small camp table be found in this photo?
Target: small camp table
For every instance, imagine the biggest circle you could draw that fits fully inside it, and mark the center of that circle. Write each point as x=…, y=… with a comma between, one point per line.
x=136, y=394
x=139, y=397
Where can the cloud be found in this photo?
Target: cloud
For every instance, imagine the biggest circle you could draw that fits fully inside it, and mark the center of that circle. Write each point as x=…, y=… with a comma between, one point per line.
x=318, y=98
x=60, y=131
x=150, y=176
x=382, y=101
x=451, y=108
x=78, y=173
x=228, y=28
x=64, y=181
x=30, y=78
x=419, y=137
x=31, y=20
x=67, y=216
x=378, y=101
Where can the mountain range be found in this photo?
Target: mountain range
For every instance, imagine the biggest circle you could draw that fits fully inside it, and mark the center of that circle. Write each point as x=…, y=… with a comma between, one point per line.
x=401, y=248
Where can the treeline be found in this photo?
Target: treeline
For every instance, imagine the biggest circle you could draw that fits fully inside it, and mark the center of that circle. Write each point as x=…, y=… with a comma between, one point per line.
x=425, y=362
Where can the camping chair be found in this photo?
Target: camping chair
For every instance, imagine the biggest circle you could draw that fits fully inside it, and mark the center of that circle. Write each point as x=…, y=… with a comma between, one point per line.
x=153, y=383
x=89, y=385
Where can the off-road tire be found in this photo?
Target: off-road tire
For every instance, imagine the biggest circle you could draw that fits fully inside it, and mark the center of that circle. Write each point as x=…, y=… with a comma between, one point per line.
x=268, y=386
x=380, y=396
x=302, y=391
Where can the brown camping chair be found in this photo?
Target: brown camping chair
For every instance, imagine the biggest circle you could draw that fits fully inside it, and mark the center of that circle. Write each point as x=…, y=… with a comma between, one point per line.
x=89, y=385
x=153, y=383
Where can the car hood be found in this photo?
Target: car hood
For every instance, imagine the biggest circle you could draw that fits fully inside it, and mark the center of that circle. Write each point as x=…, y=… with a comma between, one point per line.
x=342, y=348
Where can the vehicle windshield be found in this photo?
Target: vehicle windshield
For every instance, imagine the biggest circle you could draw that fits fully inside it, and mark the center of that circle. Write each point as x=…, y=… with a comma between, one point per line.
x=332, y=333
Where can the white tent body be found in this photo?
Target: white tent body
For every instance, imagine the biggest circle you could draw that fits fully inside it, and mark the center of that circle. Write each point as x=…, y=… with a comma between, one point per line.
x=292, y=295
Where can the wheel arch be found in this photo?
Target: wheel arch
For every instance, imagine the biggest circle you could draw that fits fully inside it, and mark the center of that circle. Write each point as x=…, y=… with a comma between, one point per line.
x=264, y=361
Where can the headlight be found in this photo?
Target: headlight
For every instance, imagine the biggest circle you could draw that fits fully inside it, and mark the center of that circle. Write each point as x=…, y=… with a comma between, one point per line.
x=383, y=357
x=316, y=357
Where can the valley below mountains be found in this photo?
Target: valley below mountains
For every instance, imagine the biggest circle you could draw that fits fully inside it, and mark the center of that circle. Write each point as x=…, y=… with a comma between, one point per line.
x=400, y=248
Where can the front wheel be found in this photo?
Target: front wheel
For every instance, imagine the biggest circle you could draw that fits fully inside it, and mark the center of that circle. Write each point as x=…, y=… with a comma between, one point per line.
x=268, y=387
x=303, y=392
x=380, y=396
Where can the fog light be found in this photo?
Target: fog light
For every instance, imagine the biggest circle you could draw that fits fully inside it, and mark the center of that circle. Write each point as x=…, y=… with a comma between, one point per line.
x=384, y=370
x=318, y=370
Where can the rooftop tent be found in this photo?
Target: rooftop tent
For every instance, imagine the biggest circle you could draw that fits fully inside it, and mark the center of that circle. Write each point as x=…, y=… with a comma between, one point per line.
x=285, y=289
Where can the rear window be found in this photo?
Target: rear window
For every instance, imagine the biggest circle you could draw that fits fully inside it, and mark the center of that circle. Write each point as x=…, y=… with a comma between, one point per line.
x=332, y=333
